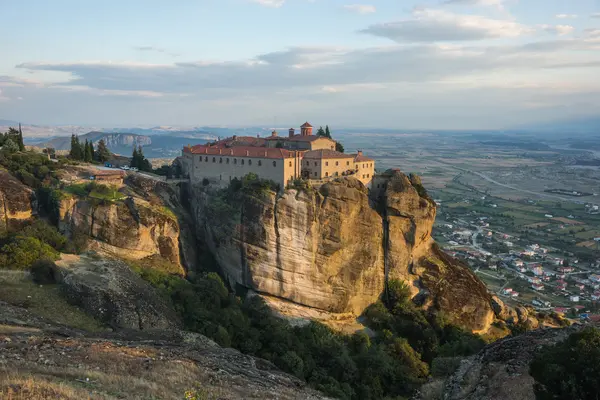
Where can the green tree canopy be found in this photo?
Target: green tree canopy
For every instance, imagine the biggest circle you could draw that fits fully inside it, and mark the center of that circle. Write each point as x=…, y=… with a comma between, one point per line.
x=320, y=131
x=570, y=369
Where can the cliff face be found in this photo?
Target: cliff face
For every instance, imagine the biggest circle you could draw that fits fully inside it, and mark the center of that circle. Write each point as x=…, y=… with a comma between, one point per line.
x=16, y=201
x=331, y=250
x=128, y=229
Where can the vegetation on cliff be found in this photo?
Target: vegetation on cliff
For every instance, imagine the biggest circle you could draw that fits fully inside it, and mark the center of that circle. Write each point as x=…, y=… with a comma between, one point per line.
x=393, y=363
x=569, y=369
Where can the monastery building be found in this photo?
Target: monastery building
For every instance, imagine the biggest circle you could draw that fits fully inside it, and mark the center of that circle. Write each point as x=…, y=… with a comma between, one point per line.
x=278, y=158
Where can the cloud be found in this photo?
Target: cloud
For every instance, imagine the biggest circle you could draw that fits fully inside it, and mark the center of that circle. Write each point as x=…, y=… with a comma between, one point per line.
x=360, y=8
x=595, y=15
x=269, y=3
x=436, y=25
x=488, y=3
x=566, y=16
x=557, y=29
x=155, y=49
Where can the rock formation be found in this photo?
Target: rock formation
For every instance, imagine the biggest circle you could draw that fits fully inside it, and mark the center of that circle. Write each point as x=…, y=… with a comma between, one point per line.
x=16, y=201
x=112, y=293
x=47, y=360
x=330, y=249
x=501, y=370
x=131, y=229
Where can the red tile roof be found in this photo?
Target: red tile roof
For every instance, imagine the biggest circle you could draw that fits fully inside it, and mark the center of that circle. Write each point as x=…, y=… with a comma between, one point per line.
x=240, y=141
x=361, y=158
x=320, y=154
x=241, y=151
x=306, y=125
x=309, y=138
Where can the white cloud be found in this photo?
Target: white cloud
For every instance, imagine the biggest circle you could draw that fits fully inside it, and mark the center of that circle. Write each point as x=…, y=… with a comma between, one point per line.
x=360, y=8
x=269, y=3
x=429, y=25
x=560, y=30
x=487, y=3
x=566, y=16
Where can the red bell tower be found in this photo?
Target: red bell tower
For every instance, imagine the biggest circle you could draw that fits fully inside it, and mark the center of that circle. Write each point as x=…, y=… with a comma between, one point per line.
x=306, y=129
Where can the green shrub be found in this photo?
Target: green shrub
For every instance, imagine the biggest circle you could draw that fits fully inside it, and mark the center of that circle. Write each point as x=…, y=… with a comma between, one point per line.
x=21, y=252
x=45, y=233
x=42, y=271
x=442, y=367
x=569, y=369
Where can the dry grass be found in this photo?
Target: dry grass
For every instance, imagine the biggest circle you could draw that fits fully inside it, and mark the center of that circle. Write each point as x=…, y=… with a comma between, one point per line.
x=45, y=301
x=15, y=387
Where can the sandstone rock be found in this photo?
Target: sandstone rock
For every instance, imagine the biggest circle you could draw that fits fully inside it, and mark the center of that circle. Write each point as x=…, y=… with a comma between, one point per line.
x=132, y=229
x=115, y=295
x=502, y=311
x=330, y=249
x=522, y=313
x=16, y=201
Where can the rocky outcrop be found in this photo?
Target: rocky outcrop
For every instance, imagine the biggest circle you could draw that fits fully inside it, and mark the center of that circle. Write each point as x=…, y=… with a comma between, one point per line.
x=330, y=249
x=112, y=293
x=501, y=370
x=52, y=361
x=131, y=229
x=16, y=201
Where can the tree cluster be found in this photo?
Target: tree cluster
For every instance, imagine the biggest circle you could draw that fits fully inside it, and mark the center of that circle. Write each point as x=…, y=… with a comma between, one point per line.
x=81, y=151
x=327, y=133
x=139, y=161
x=12, y=141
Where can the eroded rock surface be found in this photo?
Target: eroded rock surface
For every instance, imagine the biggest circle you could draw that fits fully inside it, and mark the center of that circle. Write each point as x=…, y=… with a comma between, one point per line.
x=130, y=229
x=501, y=370
x=50, y=361
x=112, y=293
x=330, y=249
x=16, y=201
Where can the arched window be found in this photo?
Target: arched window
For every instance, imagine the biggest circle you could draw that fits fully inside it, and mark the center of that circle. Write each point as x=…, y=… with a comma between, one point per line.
x=326, y=173
x=327, y=163
x=220, y=160
x=307, y=163
x=235, y=160
x=336, y=174
x=274, y=163
x=259, y=163
x=227, y=160
x=242, y=161
x=315, y=163
x=337, y=163
x=200, y=159
x=249, y=162
x=290, y=163
x=214, y=159
x=347, y=162
x=206, y=159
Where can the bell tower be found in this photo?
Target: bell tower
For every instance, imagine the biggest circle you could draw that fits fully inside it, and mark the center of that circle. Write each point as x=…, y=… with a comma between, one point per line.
x=306, y=129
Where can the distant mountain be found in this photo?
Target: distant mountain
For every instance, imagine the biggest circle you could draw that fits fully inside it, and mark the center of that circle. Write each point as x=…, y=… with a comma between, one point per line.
x=582, y=125
x=119, y=143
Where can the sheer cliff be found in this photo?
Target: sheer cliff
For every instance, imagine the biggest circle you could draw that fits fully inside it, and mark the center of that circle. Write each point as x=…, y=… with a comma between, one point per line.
x=333, y=249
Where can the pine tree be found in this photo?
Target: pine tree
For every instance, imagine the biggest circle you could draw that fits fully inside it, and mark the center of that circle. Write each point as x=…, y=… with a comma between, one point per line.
x=20, y=141
x=91, y=151
x=135, y=157
x=320, y=132
x=88, y=153
x=76, y=151
x=102, y=152
x=327, y=132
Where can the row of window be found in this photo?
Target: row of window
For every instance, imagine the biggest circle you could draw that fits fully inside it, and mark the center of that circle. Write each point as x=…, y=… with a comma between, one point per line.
x=242, y=161
x=337, y=163
x=337, y=174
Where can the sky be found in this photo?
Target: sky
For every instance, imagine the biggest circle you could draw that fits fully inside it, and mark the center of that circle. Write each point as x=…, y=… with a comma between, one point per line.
x=430, y=64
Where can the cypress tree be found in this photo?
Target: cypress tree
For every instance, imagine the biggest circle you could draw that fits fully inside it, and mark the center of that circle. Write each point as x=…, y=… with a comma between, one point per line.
x=327, y=132
x=102, y=152
x=21, y=144
x=135, y=158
